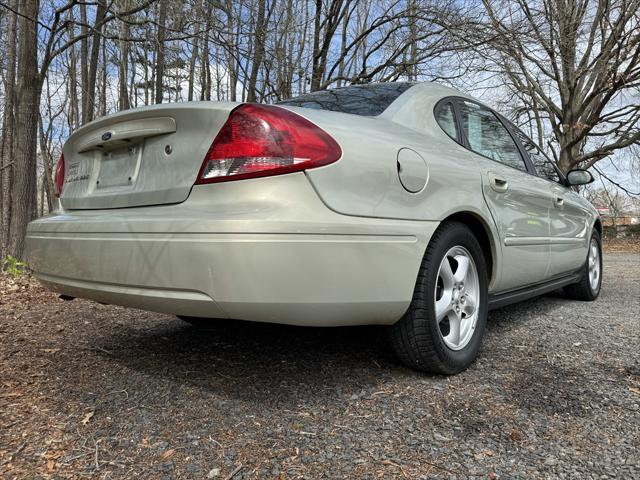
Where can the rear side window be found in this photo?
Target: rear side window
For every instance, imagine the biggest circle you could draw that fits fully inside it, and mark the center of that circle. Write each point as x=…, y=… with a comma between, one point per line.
x=544, y=167
x=366, y=100
x=488, y=136
x=446, y=118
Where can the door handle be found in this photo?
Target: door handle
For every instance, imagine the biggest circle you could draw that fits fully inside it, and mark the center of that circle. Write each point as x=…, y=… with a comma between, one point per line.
x=498, y=184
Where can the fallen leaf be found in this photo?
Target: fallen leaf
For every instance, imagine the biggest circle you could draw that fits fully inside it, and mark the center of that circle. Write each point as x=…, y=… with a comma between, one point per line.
x=88, y=416
x=634, y=389
x=515, y=435
x=51, y=465
x=11, y=394
x=50, y=350
x=213, y=473
x=168, y=453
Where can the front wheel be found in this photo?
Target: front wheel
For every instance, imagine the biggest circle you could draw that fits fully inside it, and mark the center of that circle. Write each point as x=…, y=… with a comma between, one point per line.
x=442, y=330
x=588, y=288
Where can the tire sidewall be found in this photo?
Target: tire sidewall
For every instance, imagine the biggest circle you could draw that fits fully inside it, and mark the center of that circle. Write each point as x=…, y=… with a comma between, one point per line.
x=457, y=360
x=595, y=236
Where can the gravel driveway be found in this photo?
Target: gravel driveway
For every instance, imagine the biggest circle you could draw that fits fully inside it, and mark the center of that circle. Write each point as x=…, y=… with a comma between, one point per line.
x=91, y=390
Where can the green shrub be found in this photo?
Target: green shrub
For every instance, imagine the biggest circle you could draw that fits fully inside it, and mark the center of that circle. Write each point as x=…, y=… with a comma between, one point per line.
x=13, y=266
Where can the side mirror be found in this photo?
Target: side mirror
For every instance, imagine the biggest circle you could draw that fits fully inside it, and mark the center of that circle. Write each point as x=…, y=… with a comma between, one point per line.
x=579, y=177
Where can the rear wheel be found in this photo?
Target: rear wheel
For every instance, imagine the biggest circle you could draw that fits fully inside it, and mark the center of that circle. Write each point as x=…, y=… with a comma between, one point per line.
x=442, y=330
x=588, y=288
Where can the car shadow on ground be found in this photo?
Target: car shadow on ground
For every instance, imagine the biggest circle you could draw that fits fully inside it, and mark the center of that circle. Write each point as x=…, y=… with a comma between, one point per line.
x=258, y=360
x=504, y=319
x=254, y=360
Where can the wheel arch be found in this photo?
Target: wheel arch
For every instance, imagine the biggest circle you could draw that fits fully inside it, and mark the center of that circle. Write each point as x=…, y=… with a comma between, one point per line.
x=484, y=235
x=597, y=225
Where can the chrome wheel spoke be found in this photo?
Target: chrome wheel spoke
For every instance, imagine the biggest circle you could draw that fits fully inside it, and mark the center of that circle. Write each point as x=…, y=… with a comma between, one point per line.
x=443, y=306
x=463, y=268
x=446, y=274
x=469, y=306
x=454, y=330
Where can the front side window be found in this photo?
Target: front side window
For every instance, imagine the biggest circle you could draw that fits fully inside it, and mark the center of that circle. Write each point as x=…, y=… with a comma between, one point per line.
x=446, y=119
x=541, y=162
x=488, y=136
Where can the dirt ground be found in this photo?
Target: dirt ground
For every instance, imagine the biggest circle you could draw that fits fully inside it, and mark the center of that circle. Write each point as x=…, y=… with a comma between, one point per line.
x=88, y=390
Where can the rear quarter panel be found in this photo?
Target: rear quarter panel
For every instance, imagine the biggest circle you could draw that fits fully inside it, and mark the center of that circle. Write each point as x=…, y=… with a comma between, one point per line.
x=365, y=181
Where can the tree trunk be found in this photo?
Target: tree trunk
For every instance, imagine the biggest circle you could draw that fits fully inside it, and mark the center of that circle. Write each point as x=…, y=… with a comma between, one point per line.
x=192, y=69
x=132, y=79
x=316, y=76
x=343, y=50
x=47, y=164
x=232, y=51
x=205, y=71
x=8, y=130
x=84, y=60
x=412, y=67
x=258, y=51
x=74, y=113
x=103, y=90
x=162, y=18
x=89, y=106
x=123, y=66
x=28, y=100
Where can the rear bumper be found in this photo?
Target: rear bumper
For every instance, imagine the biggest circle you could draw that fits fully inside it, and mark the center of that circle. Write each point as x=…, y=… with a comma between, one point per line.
x=266, y=250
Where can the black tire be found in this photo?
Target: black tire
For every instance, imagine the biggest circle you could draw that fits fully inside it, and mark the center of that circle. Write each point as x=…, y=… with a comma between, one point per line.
x=416, y=338
x=582, y=290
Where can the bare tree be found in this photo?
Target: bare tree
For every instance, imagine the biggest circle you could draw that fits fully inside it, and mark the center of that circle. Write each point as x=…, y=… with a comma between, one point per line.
x=572, y=65
x=30, y=78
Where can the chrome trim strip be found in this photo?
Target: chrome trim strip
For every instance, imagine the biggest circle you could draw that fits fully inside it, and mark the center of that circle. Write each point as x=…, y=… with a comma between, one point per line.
x=525, y=241
x=567, y=240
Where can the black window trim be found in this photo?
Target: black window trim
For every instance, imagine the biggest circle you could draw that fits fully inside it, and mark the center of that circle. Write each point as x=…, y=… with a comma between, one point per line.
x=525, y=158
x=464, y=141
x=513, y=128
x=436, y=111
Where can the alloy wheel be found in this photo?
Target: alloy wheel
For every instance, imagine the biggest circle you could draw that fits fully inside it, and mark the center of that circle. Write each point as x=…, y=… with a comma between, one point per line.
x=457, y=296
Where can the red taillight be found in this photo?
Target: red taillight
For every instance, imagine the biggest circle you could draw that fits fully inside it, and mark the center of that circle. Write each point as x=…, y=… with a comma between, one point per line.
x=263, y=140
x=59, y=177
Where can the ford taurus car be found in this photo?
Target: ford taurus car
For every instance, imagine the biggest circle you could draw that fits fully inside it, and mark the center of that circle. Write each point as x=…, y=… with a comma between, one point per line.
x=407, y=205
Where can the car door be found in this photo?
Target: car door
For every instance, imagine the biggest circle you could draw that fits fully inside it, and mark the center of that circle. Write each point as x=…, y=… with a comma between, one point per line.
x=519, y=202
x=569, y=216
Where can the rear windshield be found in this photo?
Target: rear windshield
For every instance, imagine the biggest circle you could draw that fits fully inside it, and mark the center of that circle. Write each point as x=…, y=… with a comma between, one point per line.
x=366, y=100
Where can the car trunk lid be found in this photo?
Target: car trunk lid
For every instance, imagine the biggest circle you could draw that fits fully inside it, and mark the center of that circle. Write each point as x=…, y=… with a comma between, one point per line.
x=147, y=156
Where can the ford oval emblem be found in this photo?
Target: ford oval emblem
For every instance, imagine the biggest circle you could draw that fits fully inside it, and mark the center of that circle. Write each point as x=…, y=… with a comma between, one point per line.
x=106, y=136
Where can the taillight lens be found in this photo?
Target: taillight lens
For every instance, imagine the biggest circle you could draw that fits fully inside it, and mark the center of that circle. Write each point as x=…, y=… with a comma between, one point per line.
x=263, y=140
x=59, y=177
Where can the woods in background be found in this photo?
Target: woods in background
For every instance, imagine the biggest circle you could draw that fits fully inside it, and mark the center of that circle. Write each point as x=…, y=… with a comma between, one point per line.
x=567, y=72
